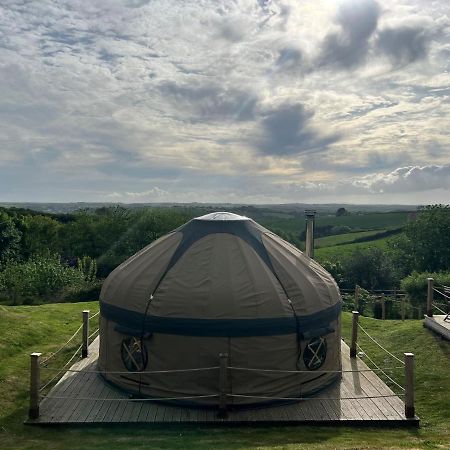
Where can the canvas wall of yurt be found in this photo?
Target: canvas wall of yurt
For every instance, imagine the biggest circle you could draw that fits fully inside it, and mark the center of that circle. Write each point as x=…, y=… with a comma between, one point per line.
x=220, y=284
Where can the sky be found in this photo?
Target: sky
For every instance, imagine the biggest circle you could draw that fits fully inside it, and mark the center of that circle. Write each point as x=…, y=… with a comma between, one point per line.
x=244, y=101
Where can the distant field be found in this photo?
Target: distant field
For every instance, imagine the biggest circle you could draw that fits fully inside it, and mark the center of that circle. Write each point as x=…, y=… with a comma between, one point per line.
x=360, y=222
x=366, y=221
x=338, y=251
x=329, y=241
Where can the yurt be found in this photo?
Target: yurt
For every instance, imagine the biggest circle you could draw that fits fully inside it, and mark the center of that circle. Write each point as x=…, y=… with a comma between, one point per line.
x=220, y=284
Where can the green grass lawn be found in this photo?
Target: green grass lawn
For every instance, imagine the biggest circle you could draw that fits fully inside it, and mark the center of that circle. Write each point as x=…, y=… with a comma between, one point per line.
x=24, y=329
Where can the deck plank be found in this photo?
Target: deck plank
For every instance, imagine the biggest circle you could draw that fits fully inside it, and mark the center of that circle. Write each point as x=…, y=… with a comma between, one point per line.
x=101, y=393
x=392, y=406
x=86, y=391
x=73, y=383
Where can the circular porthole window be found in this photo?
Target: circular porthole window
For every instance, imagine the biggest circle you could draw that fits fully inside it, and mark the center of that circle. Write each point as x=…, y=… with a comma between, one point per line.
x=134, y=354
x=315, y=353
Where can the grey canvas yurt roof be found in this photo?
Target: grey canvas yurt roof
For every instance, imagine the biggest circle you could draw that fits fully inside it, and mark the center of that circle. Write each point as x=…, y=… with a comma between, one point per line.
x=220, y=283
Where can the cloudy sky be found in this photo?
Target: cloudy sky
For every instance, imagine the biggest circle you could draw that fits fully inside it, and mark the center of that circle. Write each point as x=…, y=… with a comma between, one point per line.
x=259, y=101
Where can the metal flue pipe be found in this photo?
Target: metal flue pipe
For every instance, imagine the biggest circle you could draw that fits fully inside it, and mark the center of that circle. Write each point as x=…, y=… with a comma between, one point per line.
x=310, y=215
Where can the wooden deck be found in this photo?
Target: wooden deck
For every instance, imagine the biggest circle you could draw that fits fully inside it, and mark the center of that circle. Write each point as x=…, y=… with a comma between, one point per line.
x=438, y=325
x=113, y=409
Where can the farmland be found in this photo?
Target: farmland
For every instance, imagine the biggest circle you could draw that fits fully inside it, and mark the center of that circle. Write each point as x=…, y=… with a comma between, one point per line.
x=346, y=238
x=336, y=250
x=357, y=222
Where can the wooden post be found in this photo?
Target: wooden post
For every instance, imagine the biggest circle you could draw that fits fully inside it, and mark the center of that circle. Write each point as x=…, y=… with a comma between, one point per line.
x=409, y=386
x=383, y=307
x=430, y=297
x=419, y=312
x=356, y=298
x=35, y=383
x=85, y=348
x=223, y=384
x=403, y=307
x=354, y=334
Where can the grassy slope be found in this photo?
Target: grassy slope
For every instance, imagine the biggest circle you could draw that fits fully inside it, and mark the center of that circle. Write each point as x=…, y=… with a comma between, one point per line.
x=25, y=329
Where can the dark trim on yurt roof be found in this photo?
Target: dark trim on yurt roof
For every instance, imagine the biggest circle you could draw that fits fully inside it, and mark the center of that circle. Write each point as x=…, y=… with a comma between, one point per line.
x=138, y=323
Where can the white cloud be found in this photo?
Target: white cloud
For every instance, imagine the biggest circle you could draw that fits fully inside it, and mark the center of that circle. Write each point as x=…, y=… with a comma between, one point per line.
x=403, y=180
x=193, y=98
x=408, y=179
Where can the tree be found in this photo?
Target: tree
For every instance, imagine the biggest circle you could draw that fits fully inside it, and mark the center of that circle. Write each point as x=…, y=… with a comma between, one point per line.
x=93, y=233
x=426, y=242
x=341, y=212
x=371, y=268
x=9, y=238
x=40, y=234
x=144, y=226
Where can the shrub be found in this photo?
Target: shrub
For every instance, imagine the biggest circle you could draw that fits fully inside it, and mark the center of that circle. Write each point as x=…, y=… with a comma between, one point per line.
x=340, y=229
x=335, y=269
x=88, y=267
x=416, y=284
x=40, y=276
x=89, y=293
x=371, y=268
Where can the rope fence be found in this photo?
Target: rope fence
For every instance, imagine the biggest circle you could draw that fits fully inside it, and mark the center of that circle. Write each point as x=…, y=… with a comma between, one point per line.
x=355, y=327
x=84, y=327
x=224, y=370
x=381, y=304
x=154, y=372
x=59, y=371
x=439, y=309
x=408, y=365
x=190, y=397
x=396, y=303
x=94, y=333
x=441, y=293
x=442, y=286
x=52, y=355
x=444, y=292
x=63, y=346
x=379, y=345
x=310, y=398
x=379, y=369
x=194, y=397
x=148, y=372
